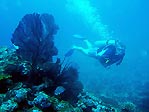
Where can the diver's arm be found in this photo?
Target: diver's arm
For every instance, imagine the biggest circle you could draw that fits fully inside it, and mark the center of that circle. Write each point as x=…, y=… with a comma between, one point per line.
x=101, y=43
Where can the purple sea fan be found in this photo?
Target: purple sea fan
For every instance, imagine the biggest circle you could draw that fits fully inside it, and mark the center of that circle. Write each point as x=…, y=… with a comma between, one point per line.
x=34, y=38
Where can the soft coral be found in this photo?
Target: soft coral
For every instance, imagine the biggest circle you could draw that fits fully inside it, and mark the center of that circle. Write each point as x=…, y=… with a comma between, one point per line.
x=34, y=38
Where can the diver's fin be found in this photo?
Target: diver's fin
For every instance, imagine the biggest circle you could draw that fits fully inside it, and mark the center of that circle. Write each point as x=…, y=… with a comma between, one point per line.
x=79, y=37
x=69, y=53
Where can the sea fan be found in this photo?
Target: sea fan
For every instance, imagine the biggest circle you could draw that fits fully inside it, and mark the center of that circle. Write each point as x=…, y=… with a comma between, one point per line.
x=34, y=38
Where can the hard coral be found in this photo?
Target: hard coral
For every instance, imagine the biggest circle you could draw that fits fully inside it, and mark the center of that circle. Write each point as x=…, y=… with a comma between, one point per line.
x=34, y=38
x=41, y=100
x=128, y=107
x=7, y=57
x=8, y=106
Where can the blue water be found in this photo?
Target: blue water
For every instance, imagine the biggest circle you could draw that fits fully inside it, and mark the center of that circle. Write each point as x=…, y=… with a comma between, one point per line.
x=126, y=20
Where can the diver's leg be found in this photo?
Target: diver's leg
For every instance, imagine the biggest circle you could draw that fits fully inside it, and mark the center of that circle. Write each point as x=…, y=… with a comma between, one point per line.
x=81, y=49
x=89, y=45
x=78, y=37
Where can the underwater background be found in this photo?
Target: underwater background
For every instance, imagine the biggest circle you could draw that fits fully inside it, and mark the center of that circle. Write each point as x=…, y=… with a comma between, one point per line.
x=127, y=21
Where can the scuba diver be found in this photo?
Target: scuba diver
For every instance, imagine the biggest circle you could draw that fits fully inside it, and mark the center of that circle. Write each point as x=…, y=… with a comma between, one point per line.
x=108, y=52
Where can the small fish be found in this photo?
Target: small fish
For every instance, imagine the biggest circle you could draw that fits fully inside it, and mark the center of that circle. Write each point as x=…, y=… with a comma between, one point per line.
x=59, y=90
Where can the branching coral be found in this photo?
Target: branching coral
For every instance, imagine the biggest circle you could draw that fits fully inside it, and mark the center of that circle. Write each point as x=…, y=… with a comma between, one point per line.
x=69, y=80
x=68, y=74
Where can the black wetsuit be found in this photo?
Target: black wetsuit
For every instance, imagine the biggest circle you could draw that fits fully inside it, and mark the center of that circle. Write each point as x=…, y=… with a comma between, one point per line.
x=111, y=56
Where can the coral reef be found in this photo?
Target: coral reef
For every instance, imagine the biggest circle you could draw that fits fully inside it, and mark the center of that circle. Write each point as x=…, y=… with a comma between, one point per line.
x=128, y=107
x=89, y=103
x=8, y=106
x=143, y=101
x=29, y=79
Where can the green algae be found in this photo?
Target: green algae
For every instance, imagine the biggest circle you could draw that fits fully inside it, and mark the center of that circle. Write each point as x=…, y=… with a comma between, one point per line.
x=4, y=76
